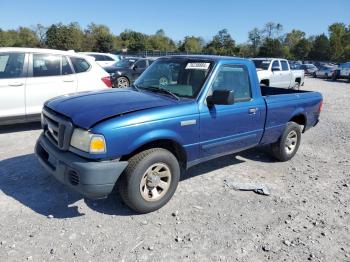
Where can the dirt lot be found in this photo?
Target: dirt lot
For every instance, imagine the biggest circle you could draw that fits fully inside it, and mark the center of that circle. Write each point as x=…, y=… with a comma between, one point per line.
x=306, y=217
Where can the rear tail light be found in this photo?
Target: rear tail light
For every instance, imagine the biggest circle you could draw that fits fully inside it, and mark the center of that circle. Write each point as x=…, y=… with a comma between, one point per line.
x=320, y=106
x=107, y=81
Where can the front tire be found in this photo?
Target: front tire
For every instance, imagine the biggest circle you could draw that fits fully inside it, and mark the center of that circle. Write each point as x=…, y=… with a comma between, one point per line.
x=288, y=144
x=150, y=180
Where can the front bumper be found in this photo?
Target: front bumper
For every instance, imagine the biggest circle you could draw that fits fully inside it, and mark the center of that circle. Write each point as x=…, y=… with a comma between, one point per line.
x=93, y=179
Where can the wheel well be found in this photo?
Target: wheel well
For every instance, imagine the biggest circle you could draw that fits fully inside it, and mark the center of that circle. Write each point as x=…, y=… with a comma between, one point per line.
x=300, y=120
x=298, y=79
x=175, y=148
x=265, y=82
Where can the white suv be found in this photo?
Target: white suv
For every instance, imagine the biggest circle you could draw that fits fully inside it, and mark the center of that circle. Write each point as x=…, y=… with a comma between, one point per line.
x=103, y=59
x=30, y=76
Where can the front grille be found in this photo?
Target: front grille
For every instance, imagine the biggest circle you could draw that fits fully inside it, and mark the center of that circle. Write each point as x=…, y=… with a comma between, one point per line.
x=57, y=129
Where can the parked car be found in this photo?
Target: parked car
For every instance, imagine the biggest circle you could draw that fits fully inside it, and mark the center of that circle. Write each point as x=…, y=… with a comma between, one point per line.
x=309, y=69
x=30, y=76
x=277, y=72
x=325, y=71
x=143, y=137
x=126, y=71
x=342, y=72
x=103, y=59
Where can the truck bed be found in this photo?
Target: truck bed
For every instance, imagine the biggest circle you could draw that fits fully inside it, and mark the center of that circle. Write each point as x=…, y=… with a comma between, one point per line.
x=271, y=91
x=282, y=103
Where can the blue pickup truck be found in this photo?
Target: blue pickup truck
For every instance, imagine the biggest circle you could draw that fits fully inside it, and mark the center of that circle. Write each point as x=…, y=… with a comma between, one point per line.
x=182, y=111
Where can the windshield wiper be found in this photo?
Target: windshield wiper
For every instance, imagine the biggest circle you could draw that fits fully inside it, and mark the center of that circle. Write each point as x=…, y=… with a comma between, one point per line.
x=161, y=90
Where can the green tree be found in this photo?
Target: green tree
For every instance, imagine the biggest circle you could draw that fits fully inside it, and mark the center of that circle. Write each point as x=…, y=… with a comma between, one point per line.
x=339, y=39
x=320, y=49
x=40, y=32
x=134, y=41
x=271, y=48
x=26, y=38
x=272, y=30
x=65, y=37
x=191, y=44
x=293, y=38
x=255, y=39
x=8, y=38
x=301, y=49
x=222, y=44
x=160, y=42
x=247, y=50
x=98, y=38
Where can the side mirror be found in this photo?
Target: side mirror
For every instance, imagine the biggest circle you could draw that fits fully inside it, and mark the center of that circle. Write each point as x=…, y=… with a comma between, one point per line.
x=221, y=97
x=134, y=67
x=275, y=68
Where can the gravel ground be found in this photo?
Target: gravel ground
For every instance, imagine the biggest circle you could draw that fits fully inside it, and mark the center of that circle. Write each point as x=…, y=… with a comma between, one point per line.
x=306, y=217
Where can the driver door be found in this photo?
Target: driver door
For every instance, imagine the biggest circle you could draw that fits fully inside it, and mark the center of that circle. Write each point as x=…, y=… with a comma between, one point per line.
x=230, y=128
x=139, y=67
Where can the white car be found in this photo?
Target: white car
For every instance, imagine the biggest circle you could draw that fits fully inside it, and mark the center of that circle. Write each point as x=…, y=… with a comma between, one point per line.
x=325, y=71
x=276, y=72
x=342, y=72
x=103, y=59
x=30, y=76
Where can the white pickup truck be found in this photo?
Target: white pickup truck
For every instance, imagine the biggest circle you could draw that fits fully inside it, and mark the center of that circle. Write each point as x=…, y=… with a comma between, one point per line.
x=276, y=72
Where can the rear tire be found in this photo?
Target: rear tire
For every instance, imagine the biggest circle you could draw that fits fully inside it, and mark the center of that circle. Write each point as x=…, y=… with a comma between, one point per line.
x=296, y=86
x=288, y=144
x=150, y=180
x=314, y=75
x=122, y=82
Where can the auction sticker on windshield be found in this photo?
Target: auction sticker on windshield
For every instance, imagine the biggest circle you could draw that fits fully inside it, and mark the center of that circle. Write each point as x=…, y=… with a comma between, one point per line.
x=198, y=66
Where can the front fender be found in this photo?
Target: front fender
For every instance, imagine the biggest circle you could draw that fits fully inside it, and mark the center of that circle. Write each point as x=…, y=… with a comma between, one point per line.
x=154, y=135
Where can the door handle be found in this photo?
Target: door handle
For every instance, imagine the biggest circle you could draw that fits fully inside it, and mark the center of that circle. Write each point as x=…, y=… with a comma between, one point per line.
x=68, y=80
x=16, y=84
x=253, y=110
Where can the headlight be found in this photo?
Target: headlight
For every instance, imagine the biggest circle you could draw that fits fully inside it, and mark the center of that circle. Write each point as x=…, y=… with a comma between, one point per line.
x=88, y=142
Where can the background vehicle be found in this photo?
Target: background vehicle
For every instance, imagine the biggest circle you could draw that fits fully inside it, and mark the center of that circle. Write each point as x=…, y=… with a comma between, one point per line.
x=277, y=72
x=103, y=59
x=30, y=76
x=126, y=71
x=309, y=69
x=145, y=136
x=342, y=72
x=325, y=71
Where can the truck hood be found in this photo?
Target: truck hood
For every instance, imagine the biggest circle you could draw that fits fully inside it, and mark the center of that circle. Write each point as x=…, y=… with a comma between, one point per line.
x=88, y=108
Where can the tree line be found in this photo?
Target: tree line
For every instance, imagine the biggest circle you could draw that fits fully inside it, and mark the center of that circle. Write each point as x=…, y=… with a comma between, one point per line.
x=269, y=41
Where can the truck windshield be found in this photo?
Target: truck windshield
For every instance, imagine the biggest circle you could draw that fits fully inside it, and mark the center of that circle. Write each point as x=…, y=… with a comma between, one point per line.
x=181, y=77
x=262, y=64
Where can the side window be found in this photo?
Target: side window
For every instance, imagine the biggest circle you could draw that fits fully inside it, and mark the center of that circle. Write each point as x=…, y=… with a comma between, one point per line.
x=46, y=65
x=276, y=64
x=107, y=58
x=284, y=65
x=236, y=78
x=66, y=69
x=80, y=65
x=98, y=57
x=11, y=65
x=141, y=64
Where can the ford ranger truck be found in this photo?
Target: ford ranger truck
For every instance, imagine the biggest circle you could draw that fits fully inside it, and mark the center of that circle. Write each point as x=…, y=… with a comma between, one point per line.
x=182, y=111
